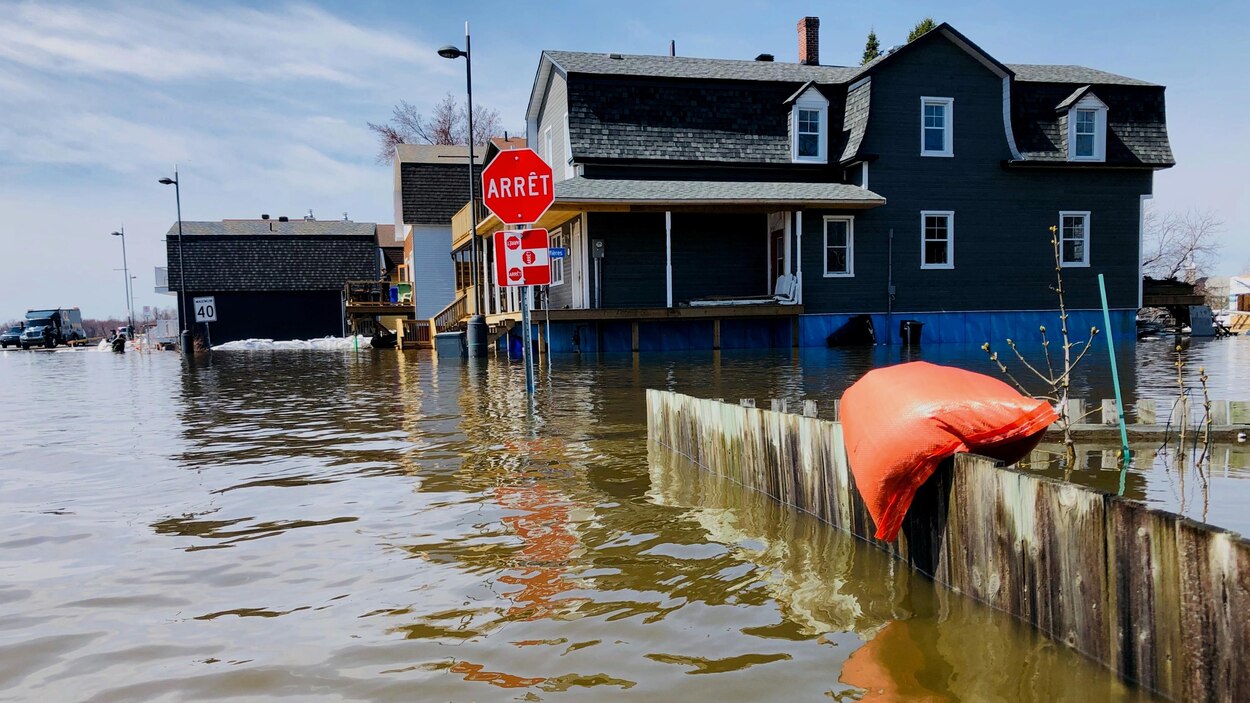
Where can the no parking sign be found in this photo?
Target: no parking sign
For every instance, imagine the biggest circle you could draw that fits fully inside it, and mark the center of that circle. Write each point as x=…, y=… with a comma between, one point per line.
x=522, y=258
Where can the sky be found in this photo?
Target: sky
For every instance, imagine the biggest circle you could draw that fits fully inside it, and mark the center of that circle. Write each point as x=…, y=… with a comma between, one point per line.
x=262, y=107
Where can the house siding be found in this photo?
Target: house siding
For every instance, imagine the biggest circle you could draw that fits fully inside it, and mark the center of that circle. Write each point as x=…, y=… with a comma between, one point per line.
x=561, y=296
x=633, y=262
x=432, y=269
x=273, y=314
x=1002, y=252
x=555, y=106
x=719, y=255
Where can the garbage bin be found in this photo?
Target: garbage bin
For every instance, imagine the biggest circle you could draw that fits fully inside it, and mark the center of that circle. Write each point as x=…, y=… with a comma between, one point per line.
x=909, y=332
x=394, y=294
x=449, y=345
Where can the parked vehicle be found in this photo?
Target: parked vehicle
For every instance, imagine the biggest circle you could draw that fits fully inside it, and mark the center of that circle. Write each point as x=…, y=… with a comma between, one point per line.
x=49, y=328
x=12, y=335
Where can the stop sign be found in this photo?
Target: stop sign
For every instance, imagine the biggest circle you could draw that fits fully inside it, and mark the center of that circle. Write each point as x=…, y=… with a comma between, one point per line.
x=517, y=186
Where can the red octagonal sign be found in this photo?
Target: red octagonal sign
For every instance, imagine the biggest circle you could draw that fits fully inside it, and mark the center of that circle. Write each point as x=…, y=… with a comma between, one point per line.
x=518, y=186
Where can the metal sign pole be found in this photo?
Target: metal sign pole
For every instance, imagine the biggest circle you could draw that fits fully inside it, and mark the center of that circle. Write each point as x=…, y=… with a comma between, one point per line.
x=526, y=351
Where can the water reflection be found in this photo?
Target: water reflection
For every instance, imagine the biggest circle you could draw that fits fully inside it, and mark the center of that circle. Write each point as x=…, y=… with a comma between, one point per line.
x=385, y=526
x=919, y=643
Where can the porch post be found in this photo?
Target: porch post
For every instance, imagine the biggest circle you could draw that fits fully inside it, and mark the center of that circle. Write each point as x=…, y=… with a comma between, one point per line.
x=798, y=255
x=479, y=296
x=668, y=255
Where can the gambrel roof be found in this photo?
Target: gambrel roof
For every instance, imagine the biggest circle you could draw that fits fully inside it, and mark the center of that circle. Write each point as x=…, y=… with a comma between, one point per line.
x=673, y=108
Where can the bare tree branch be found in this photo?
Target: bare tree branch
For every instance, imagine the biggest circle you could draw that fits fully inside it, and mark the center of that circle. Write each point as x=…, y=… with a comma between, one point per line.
x=1181, y=244
x=447, y=123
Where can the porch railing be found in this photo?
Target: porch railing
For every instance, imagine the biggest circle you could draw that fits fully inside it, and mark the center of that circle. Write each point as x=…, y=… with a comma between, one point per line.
x=462, y=223
x=416, y=334
x=449, y=317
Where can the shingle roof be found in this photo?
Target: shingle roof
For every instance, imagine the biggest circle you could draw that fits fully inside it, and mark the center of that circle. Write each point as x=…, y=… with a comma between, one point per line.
x=1054, y=73
x=1136, y=123
x=581, y=189
x=729, y=122
x=273, y=226
x=265, y=262
x=688, y=67
x=435, y=153
x=433, y=192
x=855, y=121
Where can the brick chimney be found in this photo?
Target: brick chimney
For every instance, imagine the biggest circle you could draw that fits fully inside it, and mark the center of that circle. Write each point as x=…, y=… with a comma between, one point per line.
x=809, y=41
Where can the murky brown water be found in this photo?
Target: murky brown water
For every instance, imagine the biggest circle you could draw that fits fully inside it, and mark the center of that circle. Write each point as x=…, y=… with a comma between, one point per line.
x=324, y=526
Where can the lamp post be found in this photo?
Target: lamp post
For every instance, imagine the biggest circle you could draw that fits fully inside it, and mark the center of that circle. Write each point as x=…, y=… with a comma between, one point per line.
x=184, y=338
x=130, y=308
x=476, y=334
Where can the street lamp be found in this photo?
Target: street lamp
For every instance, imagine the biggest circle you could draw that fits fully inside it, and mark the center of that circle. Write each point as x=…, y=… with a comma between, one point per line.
x=130, y=308
x=184, y=338
x=477, y=323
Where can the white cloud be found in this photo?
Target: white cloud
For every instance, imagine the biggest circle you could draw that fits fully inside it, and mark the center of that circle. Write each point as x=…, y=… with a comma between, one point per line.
x=175, y=41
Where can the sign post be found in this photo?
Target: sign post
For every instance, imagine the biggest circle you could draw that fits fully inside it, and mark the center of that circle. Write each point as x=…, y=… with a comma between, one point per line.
x=518, y=187
x=206, y=312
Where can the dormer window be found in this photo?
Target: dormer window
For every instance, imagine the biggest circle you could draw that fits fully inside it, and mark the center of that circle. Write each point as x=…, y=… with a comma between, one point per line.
x=1087, y=130
x=809, y=125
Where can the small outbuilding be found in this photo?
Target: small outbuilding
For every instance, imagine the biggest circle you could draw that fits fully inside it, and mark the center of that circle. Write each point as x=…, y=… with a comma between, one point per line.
x=271, y=278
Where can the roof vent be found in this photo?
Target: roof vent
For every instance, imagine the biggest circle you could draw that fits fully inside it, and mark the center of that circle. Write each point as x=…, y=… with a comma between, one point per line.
x=284, y=218
x=618, y=57
x=264, y=217
x=309, y=217
x=345, y=217
x=764, y=57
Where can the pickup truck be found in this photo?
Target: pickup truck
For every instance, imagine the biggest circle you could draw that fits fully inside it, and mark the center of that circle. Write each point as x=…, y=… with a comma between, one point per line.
x=48, y=328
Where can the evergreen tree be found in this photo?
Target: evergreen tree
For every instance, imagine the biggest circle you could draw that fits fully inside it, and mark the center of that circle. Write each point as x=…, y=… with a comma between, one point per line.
x=871, y=48
x=921, y=27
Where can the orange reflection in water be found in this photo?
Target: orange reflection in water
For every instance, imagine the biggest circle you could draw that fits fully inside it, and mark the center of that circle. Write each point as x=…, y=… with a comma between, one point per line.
x=889, y=668
x=547, y=545
x=473, y=672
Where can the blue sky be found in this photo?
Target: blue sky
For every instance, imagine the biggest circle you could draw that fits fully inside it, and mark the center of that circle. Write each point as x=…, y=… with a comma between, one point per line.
x=263, y=106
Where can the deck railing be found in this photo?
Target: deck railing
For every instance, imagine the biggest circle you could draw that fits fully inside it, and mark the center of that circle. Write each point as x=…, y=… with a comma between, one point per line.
x=416, y=334
x=462, y=223
x=449, y=317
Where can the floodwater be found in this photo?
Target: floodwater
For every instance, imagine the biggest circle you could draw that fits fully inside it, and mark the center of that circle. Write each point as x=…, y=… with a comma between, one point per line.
x=376, y=526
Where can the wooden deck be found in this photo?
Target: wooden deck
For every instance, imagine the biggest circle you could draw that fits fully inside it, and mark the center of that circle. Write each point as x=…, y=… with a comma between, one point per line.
x=718, y=312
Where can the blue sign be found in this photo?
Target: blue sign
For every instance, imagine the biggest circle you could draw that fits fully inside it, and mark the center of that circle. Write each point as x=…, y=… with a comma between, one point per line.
x=558, y=252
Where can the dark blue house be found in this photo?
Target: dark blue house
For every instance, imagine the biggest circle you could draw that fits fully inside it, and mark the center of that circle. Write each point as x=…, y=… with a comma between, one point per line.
x=715, y=203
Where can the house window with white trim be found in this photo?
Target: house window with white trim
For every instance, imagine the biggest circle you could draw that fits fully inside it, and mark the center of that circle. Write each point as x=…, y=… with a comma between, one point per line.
x=1087, y=130
x=937, y=239
x=809, y=127
x=839, y=247
x=557, y=264
x=547, y=150
x=1074, y=239
x=936, y=126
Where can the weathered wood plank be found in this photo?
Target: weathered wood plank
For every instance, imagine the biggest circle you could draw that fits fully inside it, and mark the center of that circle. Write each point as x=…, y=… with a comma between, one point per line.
x=1159, y=599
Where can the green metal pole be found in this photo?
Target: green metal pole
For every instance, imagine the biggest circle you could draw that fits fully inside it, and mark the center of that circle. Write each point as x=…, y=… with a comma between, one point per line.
x=1115, y=377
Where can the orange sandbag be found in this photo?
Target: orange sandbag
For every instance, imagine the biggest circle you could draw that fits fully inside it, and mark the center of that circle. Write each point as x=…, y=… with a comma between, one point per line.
x=900, y=422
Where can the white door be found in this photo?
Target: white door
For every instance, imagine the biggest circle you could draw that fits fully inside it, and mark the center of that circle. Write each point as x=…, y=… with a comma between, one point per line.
x=577, y=251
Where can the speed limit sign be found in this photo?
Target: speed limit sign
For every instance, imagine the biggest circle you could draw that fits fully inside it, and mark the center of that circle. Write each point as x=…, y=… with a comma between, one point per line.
x=205, y=309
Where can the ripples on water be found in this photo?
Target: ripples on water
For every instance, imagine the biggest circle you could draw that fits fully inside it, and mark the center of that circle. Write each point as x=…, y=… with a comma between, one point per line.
x=377, y=526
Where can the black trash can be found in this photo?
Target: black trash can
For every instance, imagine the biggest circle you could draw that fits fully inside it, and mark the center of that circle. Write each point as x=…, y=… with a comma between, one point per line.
x=909, y=332
x=475, y=337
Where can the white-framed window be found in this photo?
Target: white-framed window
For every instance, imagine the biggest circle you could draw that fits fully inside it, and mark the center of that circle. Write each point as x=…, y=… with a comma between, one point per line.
x=937, y=126
x=568, y=148
x=809, y=128
x=937, y=239
x=839, y=246
x=1087, y=130
x=1074, y=238
x=557, y=264
x=547, y=150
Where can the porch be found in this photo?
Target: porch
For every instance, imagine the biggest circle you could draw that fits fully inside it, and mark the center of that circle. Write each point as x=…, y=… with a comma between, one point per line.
x=651, y=244
x=718, y=327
